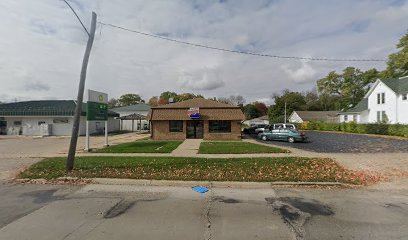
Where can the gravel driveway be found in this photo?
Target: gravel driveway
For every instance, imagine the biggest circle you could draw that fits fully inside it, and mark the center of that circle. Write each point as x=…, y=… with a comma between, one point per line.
x=325, y=142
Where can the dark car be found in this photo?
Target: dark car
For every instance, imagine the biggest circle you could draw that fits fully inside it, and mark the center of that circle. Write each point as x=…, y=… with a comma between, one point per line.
x=289, y=135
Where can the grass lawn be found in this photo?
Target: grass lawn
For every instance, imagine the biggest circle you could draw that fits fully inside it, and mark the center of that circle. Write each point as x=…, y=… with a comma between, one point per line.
x=142, y=146
x=236, y=147
x=171, y=168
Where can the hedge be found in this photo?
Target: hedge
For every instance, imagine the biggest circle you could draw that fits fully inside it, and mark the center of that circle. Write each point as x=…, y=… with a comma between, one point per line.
x=352, y=127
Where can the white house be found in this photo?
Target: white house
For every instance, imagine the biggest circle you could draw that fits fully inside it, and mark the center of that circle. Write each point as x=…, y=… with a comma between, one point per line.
x=305, y=116
x=256, y=121
x=387, y=100
x=134, y=116
x=48, y=117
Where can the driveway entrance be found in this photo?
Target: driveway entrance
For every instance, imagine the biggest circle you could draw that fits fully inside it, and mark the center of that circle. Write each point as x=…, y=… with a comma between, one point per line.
x=195, y=129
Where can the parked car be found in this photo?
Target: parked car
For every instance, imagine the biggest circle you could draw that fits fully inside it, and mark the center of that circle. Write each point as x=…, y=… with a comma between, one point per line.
x=282, y=125
x=283, y=134
x=253, y=128
x=261, y=128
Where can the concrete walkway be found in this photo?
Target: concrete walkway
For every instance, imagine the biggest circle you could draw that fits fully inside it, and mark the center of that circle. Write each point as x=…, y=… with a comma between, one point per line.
x=188, y=148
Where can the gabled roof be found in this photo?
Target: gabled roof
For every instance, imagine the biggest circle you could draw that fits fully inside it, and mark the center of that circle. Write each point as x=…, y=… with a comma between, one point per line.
x=197, y=103
x=43, y=108
x=316, y=115
x=398, y=85
x=361, y=106
x=132, y=108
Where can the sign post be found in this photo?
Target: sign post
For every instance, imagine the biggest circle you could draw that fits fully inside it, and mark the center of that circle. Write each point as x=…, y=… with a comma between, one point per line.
x=96, y=110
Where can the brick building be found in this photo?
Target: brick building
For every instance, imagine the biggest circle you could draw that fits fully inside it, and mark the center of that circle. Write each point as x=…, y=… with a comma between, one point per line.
x=196, y=118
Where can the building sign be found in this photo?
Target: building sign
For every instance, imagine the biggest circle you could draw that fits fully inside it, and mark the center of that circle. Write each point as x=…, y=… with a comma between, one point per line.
x=97, y=106
x=194, y=113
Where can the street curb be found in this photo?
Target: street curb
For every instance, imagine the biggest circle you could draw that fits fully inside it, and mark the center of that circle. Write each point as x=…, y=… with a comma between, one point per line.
x=242, y=185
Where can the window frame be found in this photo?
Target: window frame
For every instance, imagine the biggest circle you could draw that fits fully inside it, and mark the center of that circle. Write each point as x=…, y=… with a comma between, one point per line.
x=176, y=129
x=221, y=129
x=345, y=117
x=383, y=98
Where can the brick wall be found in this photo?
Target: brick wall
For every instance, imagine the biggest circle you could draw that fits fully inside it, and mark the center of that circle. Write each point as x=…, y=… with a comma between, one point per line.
x=234, y=134
x=160, y=131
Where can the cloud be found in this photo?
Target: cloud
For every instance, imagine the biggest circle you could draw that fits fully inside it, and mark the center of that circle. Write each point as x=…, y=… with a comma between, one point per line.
x=36, y=86
x=300, y=74
x=42, y=45
x=200, y=79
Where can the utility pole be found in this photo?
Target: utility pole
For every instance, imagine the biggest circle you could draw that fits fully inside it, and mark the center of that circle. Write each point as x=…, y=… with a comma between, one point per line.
x=80, y=97
x=285, y=111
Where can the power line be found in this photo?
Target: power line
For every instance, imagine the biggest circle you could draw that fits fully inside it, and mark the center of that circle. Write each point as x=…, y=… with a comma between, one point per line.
x=238, y=51
x=79, y=19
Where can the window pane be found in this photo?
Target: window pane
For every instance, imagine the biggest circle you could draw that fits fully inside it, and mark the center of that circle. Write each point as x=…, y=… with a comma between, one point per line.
x=176, y=126
x=378, y=98
x=219, y=126
x=378, y=116
x=382, y=97
x=383, y=116
x=405, y=96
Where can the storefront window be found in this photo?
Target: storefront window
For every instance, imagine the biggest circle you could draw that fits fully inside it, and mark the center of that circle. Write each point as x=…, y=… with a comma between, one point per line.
x=219, y=126
x=176, y=126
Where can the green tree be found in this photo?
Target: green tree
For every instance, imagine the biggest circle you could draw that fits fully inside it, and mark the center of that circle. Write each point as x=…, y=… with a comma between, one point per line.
x=351, y=85
x=167, y=95
x=261, y=108
x=130, y=99
x=113, y=102
x=186, y=96
x=293, y=100
x=250, y=111
x=397, y=65
x=153, y=101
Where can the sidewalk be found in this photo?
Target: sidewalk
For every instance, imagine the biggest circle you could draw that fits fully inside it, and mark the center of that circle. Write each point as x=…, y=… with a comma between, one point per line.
x=188, y=148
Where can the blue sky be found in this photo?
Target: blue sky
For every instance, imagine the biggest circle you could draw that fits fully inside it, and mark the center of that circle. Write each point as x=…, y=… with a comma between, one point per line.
x=42, y=45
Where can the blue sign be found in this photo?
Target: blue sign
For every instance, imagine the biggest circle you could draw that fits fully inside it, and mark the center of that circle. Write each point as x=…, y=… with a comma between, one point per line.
x=194, y=113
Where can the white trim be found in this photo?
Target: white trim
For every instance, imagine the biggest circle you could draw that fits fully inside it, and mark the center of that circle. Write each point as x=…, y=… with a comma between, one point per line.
x=375, y=85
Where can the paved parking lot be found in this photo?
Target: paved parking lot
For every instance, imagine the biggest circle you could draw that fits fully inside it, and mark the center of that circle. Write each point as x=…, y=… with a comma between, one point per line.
x=325, y=142
x=18, y=152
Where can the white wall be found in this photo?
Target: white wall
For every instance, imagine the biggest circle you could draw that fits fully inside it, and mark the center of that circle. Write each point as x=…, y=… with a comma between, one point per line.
x=295, y=118
x=402, y=110
x=29, y=125
x=98, y=126
x=390, y=105
x=127, y=125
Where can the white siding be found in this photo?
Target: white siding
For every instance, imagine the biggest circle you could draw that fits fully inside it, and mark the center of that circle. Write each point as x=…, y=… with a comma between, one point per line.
x=29, y=126
x=295, y=118
x=402, y=110
x=390, y=105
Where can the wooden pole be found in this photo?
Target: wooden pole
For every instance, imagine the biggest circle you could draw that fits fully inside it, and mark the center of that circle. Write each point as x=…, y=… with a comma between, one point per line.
x=78, y=108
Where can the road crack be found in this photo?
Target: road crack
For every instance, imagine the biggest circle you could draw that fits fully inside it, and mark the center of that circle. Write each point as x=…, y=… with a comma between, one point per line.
x=207, y=214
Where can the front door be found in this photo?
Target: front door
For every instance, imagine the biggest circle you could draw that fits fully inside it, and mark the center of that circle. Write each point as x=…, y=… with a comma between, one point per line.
x=195, y=129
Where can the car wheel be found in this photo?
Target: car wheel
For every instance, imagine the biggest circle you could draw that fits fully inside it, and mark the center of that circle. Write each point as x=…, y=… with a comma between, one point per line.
x=291, y=139
x=264, y=138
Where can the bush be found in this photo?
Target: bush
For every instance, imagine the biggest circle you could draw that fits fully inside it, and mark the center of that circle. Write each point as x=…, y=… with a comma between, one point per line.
x=352, y=127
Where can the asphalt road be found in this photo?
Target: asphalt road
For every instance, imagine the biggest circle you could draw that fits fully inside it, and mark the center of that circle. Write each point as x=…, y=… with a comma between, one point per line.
x=326, y=142
x=137, y=212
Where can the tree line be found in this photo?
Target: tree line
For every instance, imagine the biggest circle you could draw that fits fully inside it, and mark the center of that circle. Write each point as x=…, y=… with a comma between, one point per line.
x=340, y=91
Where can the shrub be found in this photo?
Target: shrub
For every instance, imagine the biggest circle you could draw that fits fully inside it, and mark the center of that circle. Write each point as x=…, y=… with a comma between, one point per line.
x=369, y=128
